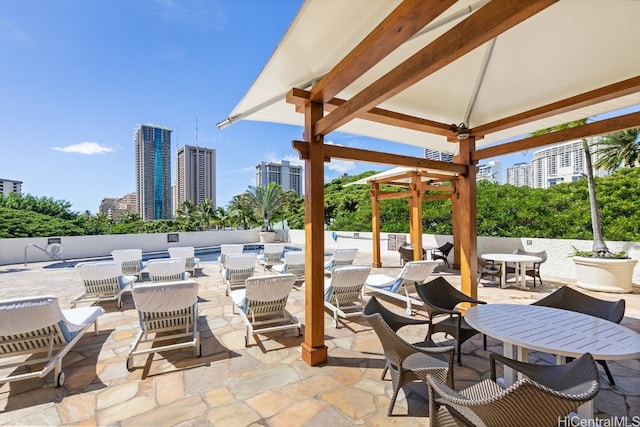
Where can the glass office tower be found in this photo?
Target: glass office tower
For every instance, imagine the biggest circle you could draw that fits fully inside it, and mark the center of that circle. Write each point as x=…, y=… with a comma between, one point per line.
x=153, y=171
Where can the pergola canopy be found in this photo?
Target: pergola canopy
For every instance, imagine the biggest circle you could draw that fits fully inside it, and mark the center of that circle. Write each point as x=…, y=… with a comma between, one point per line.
x=566, y=50
x=449, y=75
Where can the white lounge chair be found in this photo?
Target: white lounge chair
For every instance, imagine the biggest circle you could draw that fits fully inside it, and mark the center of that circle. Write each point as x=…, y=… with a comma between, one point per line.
x=294, y=263
x=340, y=257
x=164, y=308
x=189, y=255
x=103, y=281
x=131, y=260
x=262, y=304
x=167, y=270
x=226, y=250
x=271, y=255
x=238, y=268
x=396, y=287
x=33, y=330
x=343, y=292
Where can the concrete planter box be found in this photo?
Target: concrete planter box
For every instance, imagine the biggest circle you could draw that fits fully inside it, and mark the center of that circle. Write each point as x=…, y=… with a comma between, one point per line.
x=268, y=236
x=605, y=274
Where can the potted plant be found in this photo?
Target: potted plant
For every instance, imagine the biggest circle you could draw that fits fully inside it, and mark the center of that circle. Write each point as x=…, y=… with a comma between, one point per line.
x=600, y=269
x=265, y=202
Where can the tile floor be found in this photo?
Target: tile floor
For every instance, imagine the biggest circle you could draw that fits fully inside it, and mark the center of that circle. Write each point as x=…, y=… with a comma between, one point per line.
x=267, y=383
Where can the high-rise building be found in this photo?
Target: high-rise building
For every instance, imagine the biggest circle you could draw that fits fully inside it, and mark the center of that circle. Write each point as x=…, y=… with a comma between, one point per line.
x=519, y=174
x=114, y=207
x=8, y=186
x=153, y=171
x=284, y=173
x=437, y=155
x=195, y=175
x=490, y=171
x=559, y=163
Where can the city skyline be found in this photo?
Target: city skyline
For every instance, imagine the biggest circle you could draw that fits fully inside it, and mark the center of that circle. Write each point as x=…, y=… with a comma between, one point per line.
x=78, y=77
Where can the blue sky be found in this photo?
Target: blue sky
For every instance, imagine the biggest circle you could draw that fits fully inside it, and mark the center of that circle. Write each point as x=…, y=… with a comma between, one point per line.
x=77, y=76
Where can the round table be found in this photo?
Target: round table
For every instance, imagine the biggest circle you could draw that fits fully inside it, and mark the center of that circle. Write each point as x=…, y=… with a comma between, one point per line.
x=521, y=266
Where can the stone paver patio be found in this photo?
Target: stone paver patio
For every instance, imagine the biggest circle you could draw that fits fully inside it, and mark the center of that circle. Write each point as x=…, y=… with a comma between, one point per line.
x=267, y=383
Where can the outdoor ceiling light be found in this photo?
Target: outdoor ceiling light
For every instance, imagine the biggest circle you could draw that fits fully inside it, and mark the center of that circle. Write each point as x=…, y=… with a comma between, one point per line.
x=461, y=130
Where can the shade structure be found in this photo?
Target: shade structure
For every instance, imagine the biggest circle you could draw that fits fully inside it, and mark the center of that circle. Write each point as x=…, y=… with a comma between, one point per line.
x=454, y=76
x=567, y=49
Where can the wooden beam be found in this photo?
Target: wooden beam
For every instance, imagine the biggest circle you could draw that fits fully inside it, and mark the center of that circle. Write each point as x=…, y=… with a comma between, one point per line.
x=299, y=97
x=375, y=225
x=389, y=196
x=377, y=157
x=601, y=127
x=606, y=93
x=467, y=223
x=314, y=351
x=485, y=24
x=399, y=26
x=433, y=197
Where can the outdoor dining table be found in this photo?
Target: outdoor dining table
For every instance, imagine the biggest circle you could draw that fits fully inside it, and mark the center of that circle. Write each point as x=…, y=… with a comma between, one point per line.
x=552, y=330
x=521, y=266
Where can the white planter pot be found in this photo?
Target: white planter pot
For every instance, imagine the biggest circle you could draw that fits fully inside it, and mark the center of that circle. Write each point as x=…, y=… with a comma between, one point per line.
x=268, y=236
x=604, y=274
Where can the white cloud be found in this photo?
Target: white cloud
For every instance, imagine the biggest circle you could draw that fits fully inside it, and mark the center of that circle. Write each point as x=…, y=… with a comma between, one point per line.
x=87, y=148
x=340, y=166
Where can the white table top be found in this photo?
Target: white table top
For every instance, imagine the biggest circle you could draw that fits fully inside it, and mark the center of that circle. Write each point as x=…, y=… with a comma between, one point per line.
x=555, y=331
x=511, y=258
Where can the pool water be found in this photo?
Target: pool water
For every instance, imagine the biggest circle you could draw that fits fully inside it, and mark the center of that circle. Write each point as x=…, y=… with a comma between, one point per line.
x=205, y=254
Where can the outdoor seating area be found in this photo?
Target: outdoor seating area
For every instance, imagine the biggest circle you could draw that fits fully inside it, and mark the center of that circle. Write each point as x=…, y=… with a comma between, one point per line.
x=231, y=371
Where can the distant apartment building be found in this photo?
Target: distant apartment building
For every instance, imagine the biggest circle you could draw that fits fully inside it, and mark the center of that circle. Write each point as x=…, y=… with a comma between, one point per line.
x=437, y=155
x=195, y=175
x=490, y=171
x=113, y=207
x=283, y=173
x=557, y=164
x=8, y=186
x=153, y=171
x=519, y=175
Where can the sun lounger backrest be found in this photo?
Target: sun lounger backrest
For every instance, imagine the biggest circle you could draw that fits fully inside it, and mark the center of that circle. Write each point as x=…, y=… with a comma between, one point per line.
x=417, y=271
x=347, y=282
x=165, y=270
x=102, y=277
x=182, y=252
x=165, y=296
x=24, y=315
x=130, y=259
x=240, y=261
x=342, y=256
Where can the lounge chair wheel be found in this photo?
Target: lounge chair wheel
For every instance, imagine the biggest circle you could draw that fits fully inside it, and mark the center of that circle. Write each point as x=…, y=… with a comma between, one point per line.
x=409, y=311
x=60, y=379
x=130, y=364
x=336, y=324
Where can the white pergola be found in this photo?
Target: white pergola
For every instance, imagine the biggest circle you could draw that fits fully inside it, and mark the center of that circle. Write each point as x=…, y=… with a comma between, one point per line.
x=454, y=76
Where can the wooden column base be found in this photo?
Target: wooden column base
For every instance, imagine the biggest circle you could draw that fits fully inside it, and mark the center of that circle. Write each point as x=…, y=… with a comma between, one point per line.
x=314, y=356
x=376, y=265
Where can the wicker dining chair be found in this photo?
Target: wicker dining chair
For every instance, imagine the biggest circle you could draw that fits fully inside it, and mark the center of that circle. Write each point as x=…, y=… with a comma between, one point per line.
x=440, y=300
x=407, y=362
x=548, y=395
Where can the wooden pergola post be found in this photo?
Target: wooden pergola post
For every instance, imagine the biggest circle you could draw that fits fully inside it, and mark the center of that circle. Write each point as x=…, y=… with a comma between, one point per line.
x=375, y=225
x=314, y=351
x=415, y=216
x=455, y=229
x=467, y=224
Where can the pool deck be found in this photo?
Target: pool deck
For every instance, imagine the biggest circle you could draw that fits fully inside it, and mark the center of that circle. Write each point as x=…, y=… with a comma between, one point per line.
x=267, y=383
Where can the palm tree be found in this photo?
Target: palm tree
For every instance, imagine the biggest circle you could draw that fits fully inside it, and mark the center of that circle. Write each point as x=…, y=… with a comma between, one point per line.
x=265, y=202
x=619, y=149
x=241, y=212
x=599, y=246
x=206, y=210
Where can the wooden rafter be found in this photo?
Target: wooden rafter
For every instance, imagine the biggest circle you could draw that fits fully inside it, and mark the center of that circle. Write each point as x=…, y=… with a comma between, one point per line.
x=399, y=26
x=368, y=156
x=601, y=127
x=488, y=22
x=300, y=97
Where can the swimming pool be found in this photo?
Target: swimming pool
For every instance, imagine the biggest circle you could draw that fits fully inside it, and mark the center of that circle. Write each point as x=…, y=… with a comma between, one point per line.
x=205, y=254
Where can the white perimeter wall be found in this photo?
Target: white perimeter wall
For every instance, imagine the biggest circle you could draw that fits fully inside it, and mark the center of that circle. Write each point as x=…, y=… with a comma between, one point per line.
x=558, y=264
x=12, y=251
